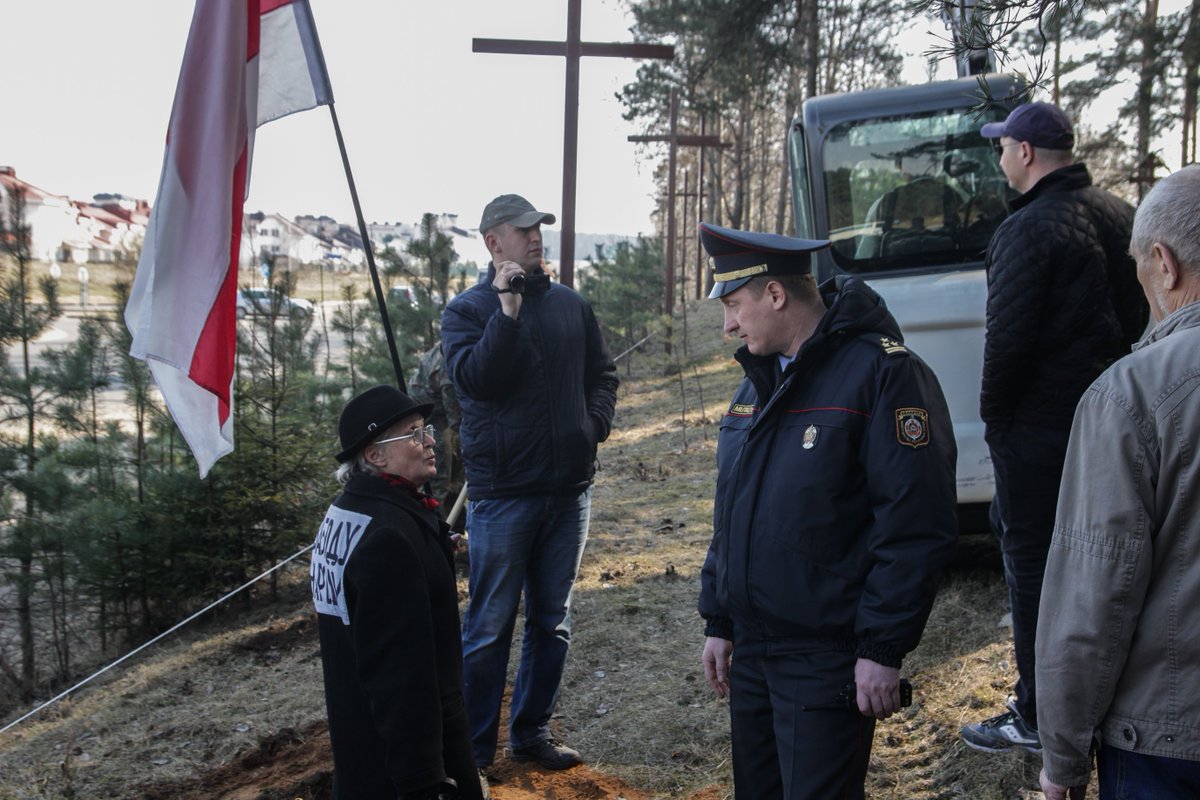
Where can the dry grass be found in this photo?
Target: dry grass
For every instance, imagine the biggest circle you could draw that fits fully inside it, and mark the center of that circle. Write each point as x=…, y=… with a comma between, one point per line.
x=633, y=699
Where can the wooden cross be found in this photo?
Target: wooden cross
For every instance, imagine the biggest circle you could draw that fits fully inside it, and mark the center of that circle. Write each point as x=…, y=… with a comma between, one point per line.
x=675, y=140
x=573, y=49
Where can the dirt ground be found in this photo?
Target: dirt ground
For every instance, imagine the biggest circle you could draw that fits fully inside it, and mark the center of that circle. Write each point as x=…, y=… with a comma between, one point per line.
x=295, y=764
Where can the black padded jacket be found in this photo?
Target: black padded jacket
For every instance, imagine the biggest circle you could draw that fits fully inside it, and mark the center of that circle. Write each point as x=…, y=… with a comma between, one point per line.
x=1063, y=300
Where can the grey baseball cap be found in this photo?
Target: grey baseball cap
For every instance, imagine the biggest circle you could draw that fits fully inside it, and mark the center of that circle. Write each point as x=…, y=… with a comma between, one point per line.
x=515, y=210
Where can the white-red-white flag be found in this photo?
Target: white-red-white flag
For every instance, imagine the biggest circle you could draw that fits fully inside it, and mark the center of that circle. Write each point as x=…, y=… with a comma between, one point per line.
x=247, y=62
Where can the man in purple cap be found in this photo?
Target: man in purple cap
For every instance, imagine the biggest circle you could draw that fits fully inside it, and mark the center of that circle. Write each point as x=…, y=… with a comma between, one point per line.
x=1063, y=304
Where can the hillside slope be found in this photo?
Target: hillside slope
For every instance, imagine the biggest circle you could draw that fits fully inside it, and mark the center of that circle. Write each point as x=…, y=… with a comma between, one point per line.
x=234, y=708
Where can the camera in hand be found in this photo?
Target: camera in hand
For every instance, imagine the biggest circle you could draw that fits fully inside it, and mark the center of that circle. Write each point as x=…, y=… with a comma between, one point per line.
x=516, y=283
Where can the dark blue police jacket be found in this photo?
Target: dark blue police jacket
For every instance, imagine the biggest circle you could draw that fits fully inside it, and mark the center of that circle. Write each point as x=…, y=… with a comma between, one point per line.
x=537, y=393
x=835, y=502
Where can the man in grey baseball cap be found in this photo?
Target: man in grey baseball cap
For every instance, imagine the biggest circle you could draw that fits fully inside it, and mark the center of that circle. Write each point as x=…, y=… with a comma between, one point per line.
x=537, y=389
x=515, y=210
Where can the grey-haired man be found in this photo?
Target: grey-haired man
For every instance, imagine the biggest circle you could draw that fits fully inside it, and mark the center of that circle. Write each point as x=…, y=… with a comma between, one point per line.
x=1118, y=638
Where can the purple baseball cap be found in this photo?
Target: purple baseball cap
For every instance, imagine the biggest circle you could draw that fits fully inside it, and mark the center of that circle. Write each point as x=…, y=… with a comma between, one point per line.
x=1043, y=125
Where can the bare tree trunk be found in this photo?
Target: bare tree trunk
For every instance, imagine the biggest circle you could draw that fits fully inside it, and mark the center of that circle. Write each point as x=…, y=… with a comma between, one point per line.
x=782, y=223
x=763, y=167
x=805, y=39
x=812, y=45
x=737, y=206
x=1145, y=95
x=1191, y=83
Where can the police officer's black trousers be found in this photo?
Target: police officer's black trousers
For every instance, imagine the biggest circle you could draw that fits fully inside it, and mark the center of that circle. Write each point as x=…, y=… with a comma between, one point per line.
x=781, y=751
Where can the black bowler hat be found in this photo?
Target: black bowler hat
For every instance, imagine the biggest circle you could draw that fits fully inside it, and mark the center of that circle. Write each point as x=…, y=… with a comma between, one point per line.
x=368, y=415
x=738, y=256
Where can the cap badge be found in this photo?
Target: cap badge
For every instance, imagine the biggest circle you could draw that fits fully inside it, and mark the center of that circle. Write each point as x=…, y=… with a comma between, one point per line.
x=810, y=437
x=912, y=427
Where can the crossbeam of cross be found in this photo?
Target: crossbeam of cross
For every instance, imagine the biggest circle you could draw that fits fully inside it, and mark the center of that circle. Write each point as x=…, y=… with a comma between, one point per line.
x=573, y=49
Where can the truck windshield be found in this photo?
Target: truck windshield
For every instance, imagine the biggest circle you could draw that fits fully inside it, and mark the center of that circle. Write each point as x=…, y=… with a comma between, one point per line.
x=913, y=192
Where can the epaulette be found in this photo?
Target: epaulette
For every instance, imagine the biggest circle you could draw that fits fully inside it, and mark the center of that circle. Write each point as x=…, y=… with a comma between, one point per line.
x=892, y=347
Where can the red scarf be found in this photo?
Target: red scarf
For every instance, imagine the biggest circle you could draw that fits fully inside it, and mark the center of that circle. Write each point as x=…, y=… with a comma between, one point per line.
x=430, y=503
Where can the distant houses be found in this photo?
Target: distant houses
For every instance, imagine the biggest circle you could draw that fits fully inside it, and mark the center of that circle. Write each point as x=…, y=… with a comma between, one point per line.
x=112, y=228
x=62, y=229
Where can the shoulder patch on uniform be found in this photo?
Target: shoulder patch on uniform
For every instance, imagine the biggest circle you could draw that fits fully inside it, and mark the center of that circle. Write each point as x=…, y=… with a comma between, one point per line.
x=891, y=346
x=912, y=427
x=741, y=410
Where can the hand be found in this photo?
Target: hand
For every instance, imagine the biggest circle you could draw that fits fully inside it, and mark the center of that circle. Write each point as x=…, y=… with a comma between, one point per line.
x=1054, y=791
x=510, y=303
x=878, y=688
x=717, y=652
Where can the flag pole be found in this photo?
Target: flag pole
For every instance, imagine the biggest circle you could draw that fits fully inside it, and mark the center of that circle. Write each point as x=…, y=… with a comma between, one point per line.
x=362, y=231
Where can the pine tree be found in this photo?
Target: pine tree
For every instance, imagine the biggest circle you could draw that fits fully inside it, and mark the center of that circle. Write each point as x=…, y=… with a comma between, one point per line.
x=24, y=397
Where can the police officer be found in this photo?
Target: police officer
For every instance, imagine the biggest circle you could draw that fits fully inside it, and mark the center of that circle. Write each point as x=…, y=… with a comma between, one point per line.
x=834, y=511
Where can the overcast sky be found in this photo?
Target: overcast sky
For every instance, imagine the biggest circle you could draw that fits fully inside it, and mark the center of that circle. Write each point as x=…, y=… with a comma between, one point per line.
x=429, y=125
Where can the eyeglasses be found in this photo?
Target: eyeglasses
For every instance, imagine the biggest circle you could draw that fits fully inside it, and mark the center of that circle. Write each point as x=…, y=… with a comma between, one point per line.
x=1000, y=146
x=422, y=436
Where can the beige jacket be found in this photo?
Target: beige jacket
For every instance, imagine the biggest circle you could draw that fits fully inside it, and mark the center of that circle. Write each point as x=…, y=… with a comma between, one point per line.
x=1118, y=640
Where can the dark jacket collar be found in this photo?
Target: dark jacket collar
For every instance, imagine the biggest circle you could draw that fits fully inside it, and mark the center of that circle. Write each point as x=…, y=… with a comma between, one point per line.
x=368, y=485
x=1063, y=179
x=852, y=307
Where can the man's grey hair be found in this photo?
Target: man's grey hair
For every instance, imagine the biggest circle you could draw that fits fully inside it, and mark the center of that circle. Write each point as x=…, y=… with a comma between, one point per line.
x=1170, y=214
x=355, y=466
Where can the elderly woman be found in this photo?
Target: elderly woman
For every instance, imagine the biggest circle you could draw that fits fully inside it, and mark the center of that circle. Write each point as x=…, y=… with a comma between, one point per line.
x=387, y=603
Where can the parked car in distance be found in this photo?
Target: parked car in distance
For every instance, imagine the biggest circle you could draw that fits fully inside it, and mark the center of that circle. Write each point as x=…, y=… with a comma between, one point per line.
x=268, y=301
x=401, y=294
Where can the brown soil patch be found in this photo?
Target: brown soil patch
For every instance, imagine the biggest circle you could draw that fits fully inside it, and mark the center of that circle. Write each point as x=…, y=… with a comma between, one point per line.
x=296, y=765
x=289, y=765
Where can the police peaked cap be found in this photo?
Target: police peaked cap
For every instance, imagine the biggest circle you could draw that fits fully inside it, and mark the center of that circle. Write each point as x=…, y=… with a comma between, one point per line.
x=367, y=416
x=738, y=256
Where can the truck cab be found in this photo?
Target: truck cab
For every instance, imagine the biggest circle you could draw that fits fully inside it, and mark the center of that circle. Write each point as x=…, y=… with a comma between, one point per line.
x=909, y=193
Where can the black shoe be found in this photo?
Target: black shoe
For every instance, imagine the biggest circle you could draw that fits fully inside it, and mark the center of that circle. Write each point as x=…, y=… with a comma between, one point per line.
x=549, y=753
x=1007, y=731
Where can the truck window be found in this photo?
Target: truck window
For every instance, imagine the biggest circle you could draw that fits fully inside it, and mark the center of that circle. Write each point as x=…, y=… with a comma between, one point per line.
x=913, y=191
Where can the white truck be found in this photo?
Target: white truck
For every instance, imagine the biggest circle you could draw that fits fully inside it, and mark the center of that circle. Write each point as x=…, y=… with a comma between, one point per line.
x=909, y=193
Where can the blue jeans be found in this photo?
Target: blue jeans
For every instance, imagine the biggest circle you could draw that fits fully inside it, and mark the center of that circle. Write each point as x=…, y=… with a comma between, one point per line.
x=1135, y=776
x=1027, y=462
x=532, y=543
